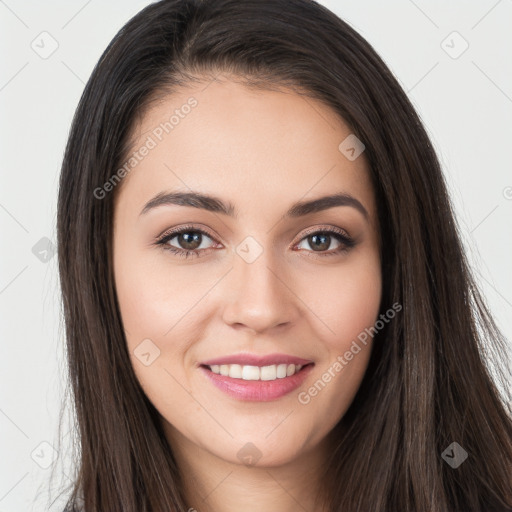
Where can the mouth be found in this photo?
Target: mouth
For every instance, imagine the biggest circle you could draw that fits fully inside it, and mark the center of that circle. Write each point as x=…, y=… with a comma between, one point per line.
x=257, y=383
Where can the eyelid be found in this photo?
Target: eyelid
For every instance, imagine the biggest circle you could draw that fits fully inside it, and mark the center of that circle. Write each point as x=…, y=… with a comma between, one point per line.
x=204, y=230
x=322, y=228
x=186, y=227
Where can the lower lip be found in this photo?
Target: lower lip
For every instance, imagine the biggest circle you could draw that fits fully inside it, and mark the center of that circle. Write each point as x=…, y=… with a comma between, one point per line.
x=258, y=390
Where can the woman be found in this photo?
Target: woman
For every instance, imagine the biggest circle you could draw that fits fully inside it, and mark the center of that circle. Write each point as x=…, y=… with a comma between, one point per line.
x=266, y=299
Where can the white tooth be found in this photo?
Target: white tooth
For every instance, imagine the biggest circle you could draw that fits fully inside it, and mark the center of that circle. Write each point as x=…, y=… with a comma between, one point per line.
x=269, y=372
x=250, y=372
x=281, y=371
x=235, y=371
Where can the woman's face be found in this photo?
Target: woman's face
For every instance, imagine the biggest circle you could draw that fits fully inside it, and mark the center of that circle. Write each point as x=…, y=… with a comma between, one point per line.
x=273, y=292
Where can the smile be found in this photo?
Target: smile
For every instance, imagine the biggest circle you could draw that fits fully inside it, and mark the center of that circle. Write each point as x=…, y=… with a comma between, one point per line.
x=255, y=378
x=246, y=372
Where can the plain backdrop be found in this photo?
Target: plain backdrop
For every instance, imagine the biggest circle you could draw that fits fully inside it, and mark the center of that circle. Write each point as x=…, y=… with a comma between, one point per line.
x=453, y=59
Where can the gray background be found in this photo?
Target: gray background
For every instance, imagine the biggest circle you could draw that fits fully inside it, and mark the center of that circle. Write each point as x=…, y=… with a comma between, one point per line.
x=464, y=99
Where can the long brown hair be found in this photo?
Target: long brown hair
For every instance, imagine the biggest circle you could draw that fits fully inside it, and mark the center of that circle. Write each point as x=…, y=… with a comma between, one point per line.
x=429, y=380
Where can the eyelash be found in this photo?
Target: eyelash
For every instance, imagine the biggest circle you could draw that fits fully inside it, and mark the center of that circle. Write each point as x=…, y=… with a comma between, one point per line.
x=346, y=242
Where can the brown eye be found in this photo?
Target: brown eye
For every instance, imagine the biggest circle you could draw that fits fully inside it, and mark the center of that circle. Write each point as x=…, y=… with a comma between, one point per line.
x=320, y=242
x=188, y=241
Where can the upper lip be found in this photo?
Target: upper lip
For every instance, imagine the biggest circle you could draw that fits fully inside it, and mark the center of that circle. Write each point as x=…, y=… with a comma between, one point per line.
x=257, y=360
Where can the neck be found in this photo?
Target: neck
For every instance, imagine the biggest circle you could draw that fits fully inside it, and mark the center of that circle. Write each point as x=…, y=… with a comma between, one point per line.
x=212, y=484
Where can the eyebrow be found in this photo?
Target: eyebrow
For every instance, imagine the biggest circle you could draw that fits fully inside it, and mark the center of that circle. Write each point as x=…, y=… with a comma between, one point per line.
x=216, y=205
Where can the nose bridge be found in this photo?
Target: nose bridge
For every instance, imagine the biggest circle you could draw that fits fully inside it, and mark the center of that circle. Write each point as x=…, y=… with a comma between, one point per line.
x=258, y=297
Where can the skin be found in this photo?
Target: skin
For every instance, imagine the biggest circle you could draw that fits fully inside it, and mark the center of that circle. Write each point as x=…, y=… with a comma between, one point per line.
x=262, y=151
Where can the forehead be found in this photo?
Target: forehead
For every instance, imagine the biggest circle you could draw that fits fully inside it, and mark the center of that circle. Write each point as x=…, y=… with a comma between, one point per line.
x=257, y=148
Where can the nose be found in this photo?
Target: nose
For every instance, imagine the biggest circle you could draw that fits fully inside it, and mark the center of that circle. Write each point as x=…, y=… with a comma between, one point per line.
x=259, y=295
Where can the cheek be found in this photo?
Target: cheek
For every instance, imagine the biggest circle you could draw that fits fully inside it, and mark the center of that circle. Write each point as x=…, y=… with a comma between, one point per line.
x=163, y=314
x=157, y=310
x=347, y=299
x=351, y=311
x=154, y=297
